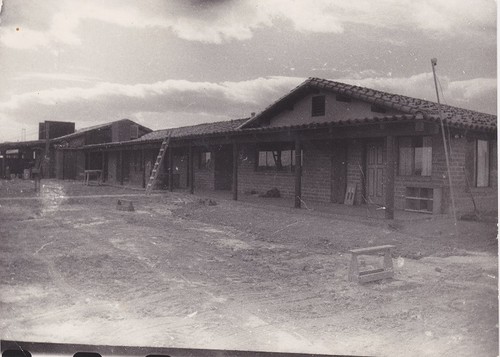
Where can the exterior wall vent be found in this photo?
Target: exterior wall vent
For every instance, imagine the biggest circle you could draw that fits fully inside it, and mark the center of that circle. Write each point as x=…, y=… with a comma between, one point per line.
x=318, y=106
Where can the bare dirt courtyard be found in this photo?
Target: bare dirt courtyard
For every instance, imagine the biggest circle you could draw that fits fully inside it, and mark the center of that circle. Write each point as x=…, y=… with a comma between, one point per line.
x=178, y=272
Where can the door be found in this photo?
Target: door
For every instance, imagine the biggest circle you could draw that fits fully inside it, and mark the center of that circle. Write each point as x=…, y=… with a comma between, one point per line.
x=223, y=168
x=339, y=172
x=375, y=172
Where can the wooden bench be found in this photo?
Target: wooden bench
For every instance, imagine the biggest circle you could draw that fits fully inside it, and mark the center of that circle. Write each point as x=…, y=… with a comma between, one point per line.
x=375, y=274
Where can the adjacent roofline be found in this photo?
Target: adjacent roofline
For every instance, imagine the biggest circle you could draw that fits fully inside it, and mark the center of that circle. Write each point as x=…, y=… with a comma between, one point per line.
x=401, y=118
x=21, y=144
x=96, y=127
x=407, y=105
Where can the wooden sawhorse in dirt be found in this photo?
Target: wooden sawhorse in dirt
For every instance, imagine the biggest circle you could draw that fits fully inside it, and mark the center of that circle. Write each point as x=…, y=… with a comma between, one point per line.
x=88, y=176
x=375, y=274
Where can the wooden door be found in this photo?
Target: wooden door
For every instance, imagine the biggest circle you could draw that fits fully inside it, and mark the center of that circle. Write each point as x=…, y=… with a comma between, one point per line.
x=339, y=172
x=375, y=172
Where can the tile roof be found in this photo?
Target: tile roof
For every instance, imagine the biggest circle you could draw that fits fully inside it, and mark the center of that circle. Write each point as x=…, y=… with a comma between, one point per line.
x=194, y=130
x=21, y=144
x=453, y=116
x=220, y=127
x=95, y=127
x=343, y=123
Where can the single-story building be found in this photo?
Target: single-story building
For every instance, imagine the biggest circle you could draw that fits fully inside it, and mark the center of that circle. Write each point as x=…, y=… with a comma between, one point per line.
x=65, y=160
x=320, y=141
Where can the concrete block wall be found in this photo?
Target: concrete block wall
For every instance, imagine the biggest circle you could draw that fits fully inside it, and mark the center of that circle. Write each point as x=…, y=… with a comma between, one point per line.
x=355, y=168
x=180, y=166
x=113, y=167
x=317, y=171
x=80, y=165
x=434, y=180
x=204, y=178
x=135, y=172
x=262, y=181
x=460, y=155
x=484, y=197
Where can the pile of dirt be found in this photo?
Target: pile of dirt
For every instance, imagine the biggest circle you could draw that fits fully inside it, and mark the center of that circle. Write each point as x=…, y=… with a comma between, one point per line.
x=272, y=193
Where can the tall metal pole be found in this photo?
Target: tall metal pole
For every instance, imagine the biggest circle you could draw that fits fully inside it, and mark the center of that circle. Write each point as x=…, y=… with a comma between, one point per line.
x=434, y=64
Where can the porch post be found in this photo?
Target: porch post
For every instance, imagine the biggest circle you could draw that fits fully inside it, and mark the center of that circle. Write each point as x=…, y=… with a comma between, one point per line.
x=143, y=169
x=170, y=169
x=61, y=162
x=298, y=173
x=121, y=167
x=191, y=170
x=3, y=163
x=389, y=177
x=235, y=171
x=102, y=166
x=87, y=160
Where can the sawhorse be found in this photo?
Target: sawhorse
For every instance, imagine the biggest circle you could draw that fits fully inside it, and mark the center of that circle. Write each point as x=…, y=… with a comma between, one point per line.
x=375, y=274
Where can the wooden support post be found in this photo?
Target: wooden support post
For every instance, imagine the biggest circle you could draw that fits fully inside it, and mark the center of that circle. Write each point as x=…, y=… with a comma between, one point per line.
x=121, y=167
x=47, y=139
x=298, y=173
x=103, y=164
x=235, y=171
x=143, y=169
x=389, y=177
x=87, y=160
x=4, y=153
x=170, y=169
x=191, y=170
x=61, y=162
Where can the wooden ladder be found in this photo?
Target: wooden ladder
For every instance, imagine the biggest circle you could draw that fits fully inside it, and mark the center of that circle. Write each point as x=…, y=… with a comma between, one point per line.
x=157, y=165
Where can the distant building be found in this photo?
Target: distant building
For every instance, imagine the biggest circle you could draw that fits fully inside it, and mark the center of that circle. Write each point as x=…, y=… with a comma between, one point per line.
x=64, y=160
x=316, y=143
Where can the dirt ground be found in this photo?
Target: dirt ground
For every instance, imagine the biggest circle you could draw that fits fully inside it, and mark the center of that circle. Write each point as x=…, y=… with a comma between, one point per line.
x=178, y=272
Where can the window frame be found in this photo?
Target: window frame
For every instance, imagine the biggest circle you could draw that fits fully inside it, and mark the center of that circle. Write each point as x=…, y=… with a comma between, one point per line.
x=204, y=164
x=278, y=166
x=414, y=144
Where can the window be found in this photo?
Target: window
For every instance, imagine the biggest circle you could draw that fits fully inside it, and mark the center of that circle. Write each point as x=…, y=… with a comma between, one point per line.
x=268, y=159
x=205, y=159
x=12, y=154
x=318, y=106
x=280, y=160
x=415, y=156
x=482, y=163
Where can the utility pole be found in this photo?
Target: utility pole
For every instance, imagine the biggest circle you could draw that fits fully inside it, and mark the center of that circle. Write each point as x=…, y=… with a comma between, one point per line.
x=434, y=64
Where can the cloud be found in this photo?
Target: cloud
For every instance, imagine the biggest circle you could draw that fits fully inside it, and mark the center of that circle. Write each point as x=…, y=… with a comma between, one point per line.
x=179, y=102
x=218, y=22
x=476, y=94
x=63, y=25
x=65, y=77
x=110, y=101
x=237, y=20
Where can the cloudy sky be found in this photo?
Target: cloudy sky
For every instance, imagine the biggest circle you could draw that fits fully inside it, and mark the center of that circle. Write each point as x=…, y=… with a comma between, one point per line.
x=167, y=63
